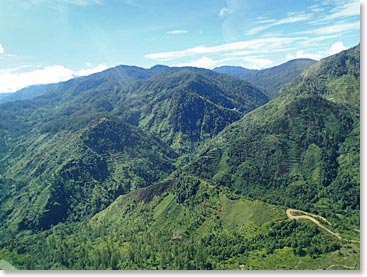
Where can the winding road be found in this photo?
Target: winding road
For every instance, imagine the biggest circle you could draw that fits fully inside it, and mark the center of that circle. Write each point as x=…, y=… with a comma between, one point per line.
x=311, y=217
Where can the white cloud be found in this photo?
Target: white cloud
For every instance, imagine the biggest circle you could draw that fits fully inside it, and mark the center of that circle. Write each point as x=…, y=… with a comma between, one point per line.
x=316, y=8
x=333, y=29
x=300, y=54
x=264, y=21
x=225, y=11
x=15, y=79
x=316, y=42
x=88, y=71
x=337, y=47
x=177, y=32
x=292, y=18
x=210, y=63
x=203, y=62
x=256, y=62
x=342, y=10
x=334, y=49
x=1, y=49
x=254, y=44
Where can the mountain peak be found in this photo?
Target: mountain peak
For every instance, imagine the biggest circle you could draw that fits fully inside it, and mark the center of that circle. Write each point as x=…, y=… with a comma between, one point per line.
x=159, y=67
x=270, y=80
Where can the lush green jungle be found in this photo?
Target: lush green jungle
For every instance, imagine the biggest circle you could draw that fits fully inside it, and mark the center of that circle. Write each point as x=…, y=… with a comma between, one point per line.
x=185, y=168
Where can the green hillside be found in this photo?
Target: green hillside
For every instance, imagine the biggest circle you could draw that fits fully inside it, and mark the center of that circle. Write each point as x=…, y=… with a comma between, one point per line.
x=69, y=153
x=73, y=175
x=300, y=150
x=184, y=168
x=187, y=106
x=184, y=224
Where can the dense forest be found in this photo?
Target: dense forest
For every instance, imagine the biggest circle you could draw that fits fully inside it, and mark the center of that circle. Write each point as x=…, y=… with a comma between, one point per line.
x=184, y=168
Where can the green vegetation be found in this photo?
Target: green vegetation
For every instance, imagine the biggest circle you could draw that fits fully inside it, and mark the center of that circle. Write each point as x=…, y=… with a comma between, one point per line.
x=292, y=151
x=270, y=80
x=68, y=154
x=5, y=265
x=183, y=168
x=152, y=229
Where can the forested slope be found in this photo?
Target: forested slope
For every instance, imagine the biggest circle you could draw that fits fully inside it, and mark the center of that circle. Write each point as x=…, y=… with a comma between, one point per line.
x=166, y=177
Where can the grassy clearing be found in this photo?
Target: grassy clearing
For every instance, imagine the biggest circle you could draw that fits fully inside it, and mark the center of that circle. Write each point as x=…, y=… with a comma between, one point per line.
x=5, y=265
x=163, y=205
x=236, y=213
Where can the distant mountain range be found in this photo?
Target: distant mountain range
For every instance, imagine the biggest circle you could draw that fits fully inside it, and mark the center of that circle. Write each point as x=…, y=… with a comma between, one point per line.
x=270, y=80
x=25, y=93
x=185, y=168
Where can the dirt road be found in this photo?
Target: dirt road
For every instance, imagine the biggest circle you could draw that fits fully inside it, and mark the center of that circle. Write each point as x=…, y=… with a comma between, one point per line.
x=311, y=217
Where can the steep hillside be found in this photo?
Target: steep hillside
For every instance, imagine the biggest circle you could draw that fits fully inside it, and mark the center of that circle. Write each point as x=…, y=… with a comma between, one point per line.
x=293, y=151
x=186, y=223
x=70, y=175
x=67, y=154
x=4, y=94
x=26, y=93
x=270, y=80
x=186, y=106
x=183, y=106
x=107, y=188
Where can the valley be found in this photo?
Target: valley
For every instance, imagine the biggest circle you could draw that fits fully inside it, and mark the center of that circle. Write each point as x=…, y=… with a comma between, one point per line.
x=185, y=168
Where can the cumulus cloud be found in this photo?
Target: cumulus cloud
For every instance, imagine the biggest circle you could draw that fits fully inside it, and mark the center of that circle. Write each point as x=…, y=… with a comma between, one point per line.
x=334, y=49
x=203, y=62
x=225, y=11
x=15, y=79
x=177, y=32
x=337, y=47
x=251, y=62
x=88, y=71
x=1, y=49
x=256, y=62
x=301, y=54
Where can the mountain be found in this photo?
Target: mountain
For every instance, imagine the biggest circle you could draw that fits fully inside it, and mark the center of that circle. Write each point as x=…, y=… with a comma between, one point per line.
x=27, y=93
x=186, y=106
x=236, y=71
x=297, y=144
x=121, y=76
x=71, y=175
x=4, y=95
x=270, y=80
x=101, y=184
x=69, y=153
x=194, y=103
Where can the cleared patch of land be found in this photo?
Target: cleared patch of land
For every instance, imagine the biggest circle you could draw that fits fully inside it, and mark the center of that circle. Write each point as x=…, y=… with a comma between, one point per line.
x=5, y=265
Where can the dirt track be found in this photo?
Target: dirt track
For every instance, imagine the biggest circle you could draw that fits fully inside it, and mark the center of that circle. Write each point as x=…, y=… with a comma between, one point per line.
x=311, y=217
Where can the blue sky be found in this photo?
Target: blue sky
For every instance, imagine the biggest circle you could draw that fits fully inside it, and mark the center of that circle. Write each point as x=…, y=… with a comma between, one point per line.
x=43, y=41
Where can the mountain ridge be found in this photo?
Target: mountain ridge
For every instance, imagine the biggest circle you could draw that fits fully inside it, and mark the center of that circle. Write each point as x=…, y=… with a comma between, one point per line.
x=139, y=198
x=32, y=91
x=269, y=79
